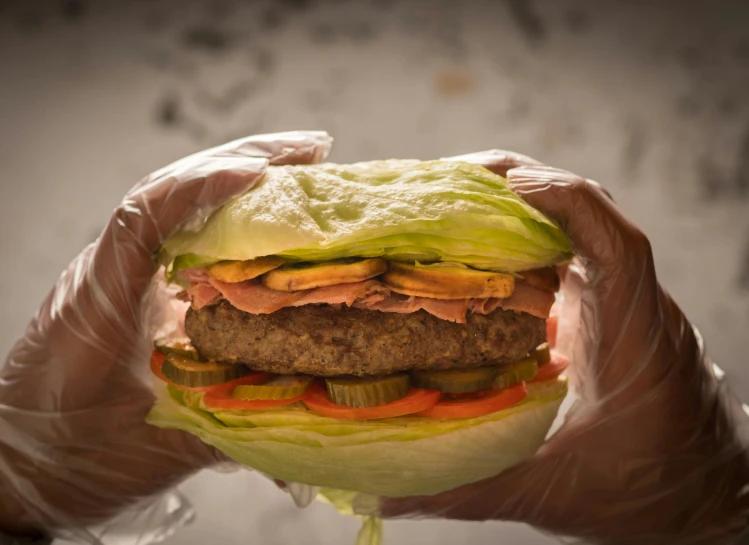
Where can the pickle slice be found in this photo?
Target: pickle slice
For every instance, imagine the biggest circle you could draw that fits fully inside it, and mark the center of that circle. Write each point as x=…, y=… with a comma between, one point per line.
x=305, y=276
x=456, y=381
x=447, y=281
x=367, y=392
x=279, y=387
x=240, y=271
x=515, y=372
x=542, y=354
x=194, y=374
x=180, y=347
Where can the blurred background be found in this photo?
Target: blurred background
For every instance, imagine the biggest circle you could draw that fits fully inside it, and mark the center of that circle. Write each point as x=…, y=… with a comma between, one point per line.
x=649, y=97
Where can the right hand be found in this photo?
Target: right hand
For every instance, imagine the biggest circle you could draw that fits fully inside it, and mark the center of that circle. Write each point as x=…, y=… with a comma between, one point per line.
x=651, y=450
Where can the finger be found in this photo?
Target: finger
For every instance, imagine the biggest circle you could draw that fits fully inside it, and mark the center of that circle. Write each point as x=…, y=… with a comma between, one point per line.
x=123, y=262
x=619, y=351
x=497, y=161
x=226, y=171
x=599, y=231
x=188, y=190
x=94, y=307
x=283, y=148
x=88, y=323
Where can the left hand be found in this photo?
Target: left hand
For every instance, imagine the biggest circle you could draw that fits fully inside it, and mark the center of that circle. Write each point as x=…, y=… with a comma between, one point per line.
x=74, y=447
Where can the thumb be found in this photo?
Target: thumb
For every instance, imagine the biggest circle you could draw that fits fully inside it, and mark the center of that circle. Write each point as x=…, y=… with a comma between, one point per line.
x=496, y=160
x=621, y=351
x=188, y=190
x=599, y=231
x=123, y=261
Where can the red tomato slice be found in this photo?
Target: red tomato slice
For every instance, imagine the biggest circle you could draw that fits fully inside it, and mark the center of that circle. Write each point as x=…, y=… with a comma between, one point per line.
x=552, y=323
x=553, y=369
x=316, y=399
x=492, y=402
x=157, y=360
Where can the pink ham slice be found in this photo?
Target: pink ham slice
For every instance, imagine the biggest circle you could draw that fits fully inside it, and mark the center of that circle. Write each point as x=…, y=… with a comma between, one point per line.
x=400, y=304
x=196, y=276
x=452, y=310
x=343, y=294
x=254, y=298
x=200, y=295
x=485, y=306
x=533, y=301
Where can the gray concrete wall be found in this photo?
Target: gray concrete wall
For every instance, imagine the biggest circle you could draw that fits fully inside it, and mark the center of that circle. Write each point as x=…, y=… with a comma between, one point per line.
x=648, y=97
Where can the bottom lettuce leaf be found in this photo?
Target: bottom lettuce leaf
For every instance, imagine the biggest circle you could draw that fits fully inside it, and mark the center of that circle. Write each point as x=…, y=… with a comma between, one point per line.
x=393, y=457
x=356, y=462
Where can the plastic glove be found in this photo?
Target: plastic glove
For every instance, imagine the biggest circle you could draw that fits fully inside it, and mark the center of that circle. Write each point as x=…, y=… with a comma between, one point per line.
x=74, y=447
x=652, y=449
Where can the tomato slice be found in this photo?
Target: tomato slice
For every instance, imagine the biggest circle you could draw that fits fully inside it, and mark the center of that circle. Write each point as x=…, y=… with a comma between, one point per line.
x=316, y=399
x=220, y=398
x=553, y=369
x=157, y=360
x=552, y=324
x=490, y=402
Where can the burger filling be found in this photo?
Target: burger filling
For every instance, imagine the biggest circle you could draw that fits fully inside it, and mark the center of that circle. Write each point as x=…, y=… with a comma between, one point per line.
x=362, y=338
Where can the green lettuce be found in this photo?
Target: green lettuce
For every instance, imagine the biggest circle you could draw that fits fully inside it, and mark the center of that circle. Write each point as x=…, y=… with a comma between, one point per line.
x=400, y=209
x=355, y=462
x=343, y=501
x=389, y=457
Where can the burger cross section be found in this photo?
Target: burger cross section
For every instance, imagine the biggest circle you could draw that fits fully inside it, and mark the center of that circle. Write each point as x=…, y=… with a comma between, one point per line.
x=387, y=318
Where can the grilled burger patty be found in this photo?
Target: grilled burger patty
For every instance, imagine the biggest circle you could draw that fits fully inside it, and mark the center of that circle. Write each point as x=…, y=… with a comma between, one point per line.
x=326, y=341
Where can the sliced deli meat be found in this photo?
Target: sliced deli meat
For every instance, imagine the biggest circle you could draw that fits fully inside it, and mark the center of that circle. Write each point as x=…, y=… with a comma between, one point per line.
x=533, y=301
x=343, y=294
x=195, y=275
x=254, y=298
x=452, y=310
x=201, y=295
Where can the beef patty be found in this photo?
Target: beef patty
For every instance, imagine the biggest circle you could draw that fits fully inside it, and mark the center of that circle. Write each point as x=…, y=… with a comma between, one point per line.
x=326, y=341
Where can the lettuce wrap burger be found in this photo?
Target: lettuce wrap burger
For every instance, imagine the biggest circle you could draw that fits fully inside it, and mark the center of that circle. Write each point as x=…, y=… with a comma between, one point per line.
x=378, y=327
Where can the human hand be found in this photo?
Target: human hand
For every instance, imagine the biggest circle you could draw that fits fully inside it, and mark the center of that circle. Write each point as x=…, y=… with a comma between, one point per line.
x=74, y=445
x=651, y=451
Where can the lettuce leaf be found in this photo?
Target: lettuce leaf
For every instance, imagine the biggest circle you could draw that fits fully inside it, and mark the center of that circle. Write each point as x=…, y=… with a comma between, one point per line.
x=343, y=501
x=400, y=209
x=390, y=457
x=355, y=462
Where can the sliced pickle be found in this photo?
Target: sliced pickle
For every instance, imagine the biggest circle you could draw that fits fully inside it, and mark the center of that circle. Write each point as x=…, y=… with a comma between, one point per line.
x=542, y=354
x=445, y=281
x=233, y=272
x=367, y=392
x=180, y=347
x=305, y=276
x=279, y=387
x=194, y=374
x=456, y=381
x=515, y=372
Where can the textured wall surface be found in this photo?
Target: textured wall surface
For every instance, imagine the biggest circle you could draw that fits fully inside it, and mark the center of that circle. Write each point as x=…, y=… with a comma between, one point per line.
x=648, y=97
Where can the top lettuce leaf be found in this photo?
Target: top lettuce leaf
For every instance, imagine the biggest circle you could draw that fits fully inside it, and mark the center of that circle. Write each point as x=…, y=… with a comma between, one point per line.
x=401, y=209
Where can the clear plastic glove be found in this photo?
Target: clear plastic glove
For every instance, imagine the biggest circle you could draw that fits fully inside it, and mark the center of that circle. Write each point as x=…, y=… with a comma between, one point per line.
x=654, y=447
x=74, y=446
